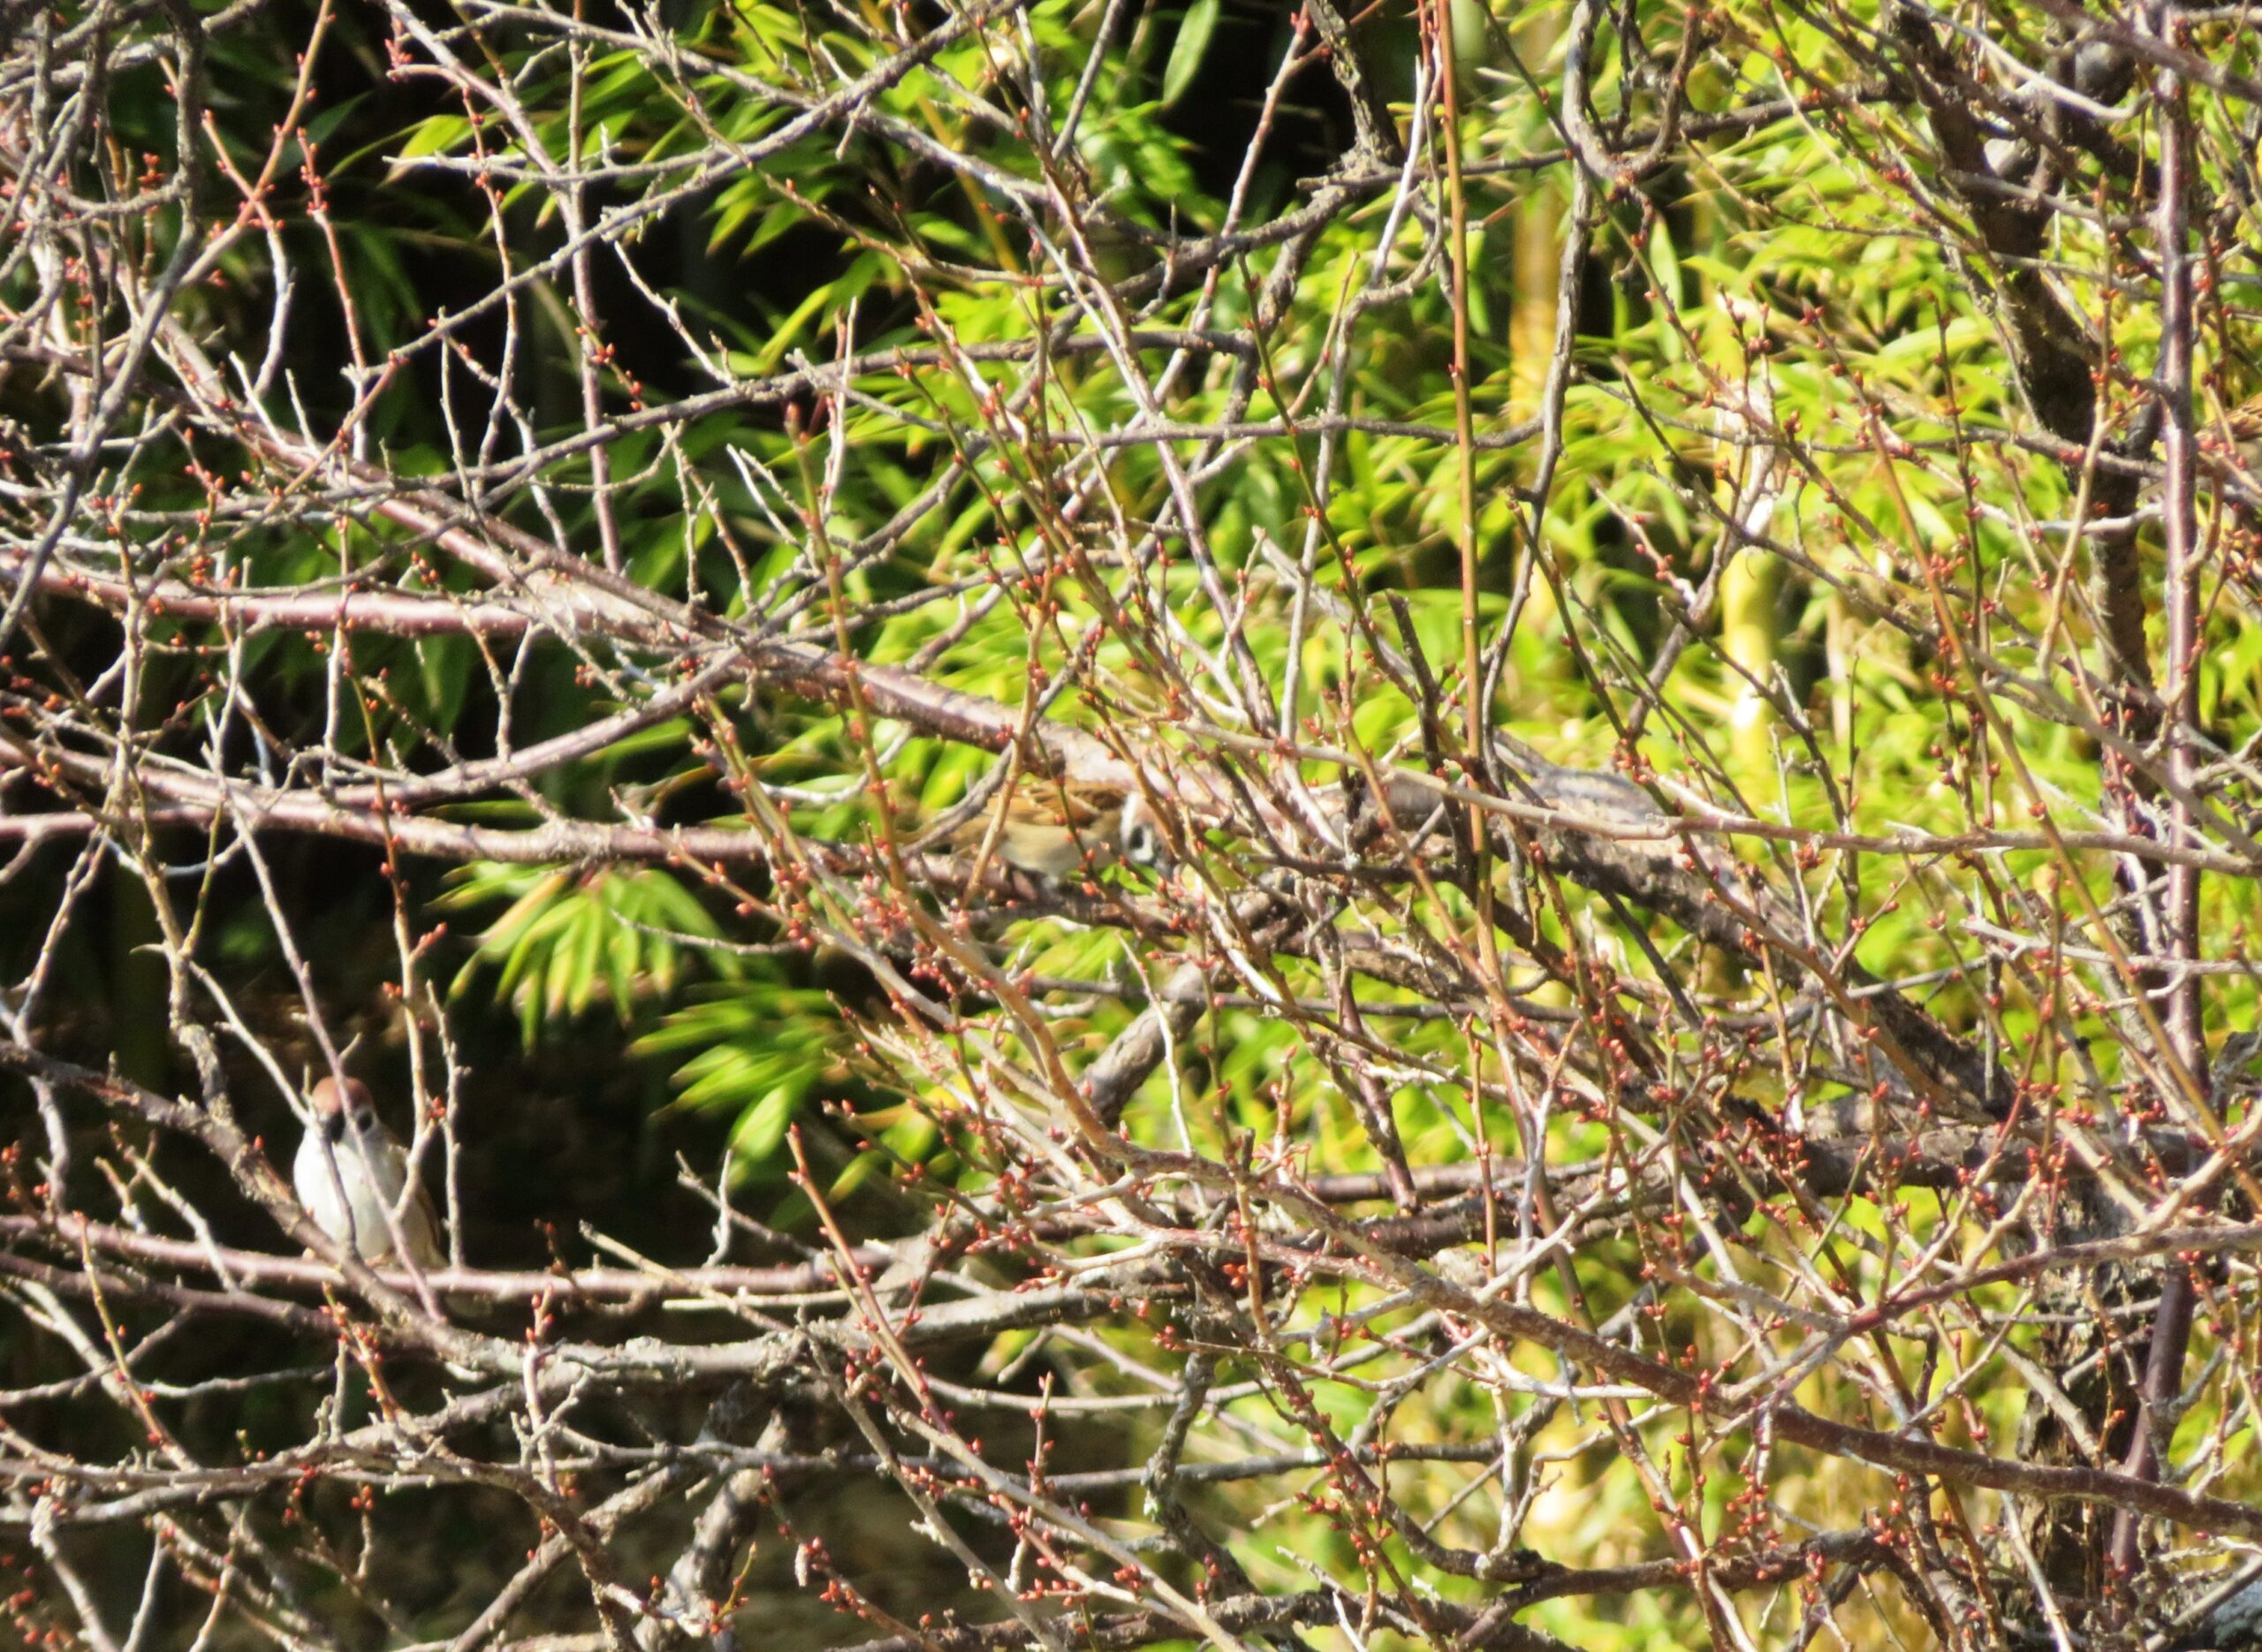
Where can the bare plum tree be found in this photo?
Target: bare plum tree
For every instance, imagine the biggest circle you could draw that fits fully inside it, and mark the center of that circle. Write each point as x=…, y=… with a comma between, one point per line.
x=1401, y=945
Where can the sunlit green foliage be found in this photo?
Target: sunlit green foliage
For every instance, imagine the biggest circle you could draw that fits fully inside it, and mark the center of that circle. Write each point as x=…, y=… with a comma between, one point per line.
x=850, y=393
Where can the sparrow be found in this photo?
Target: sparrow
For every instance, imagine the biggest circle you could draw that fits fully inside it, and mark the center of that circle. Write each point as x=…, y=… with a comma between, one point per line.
x=2235, y=439
x=350, y=1170
x=1055, y=833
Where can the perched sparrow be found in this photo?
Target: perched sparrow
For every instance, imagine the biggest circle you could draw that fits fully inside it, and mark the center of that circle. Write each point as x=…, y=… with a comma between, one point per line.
x=350, y=1170
x=1052, y=831
x=2236, y=437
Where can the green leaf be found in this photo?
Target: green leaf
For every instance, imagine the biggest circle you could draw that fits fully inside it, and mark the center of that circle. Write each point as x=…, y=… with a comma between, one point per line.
x=1194, y=31
x=763, y=1126
x=434, y=136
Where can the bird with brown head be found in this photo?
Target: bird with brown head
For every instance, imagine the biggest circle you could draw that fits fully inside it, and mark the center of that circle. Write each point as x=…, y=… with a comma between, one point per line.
x=1058, y=832
x=352, y=1176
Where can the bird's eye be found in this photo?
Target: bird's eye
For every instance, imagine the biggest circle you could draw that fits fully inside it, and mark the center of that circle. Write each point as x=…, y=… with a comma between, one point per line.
x=1143, y=845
